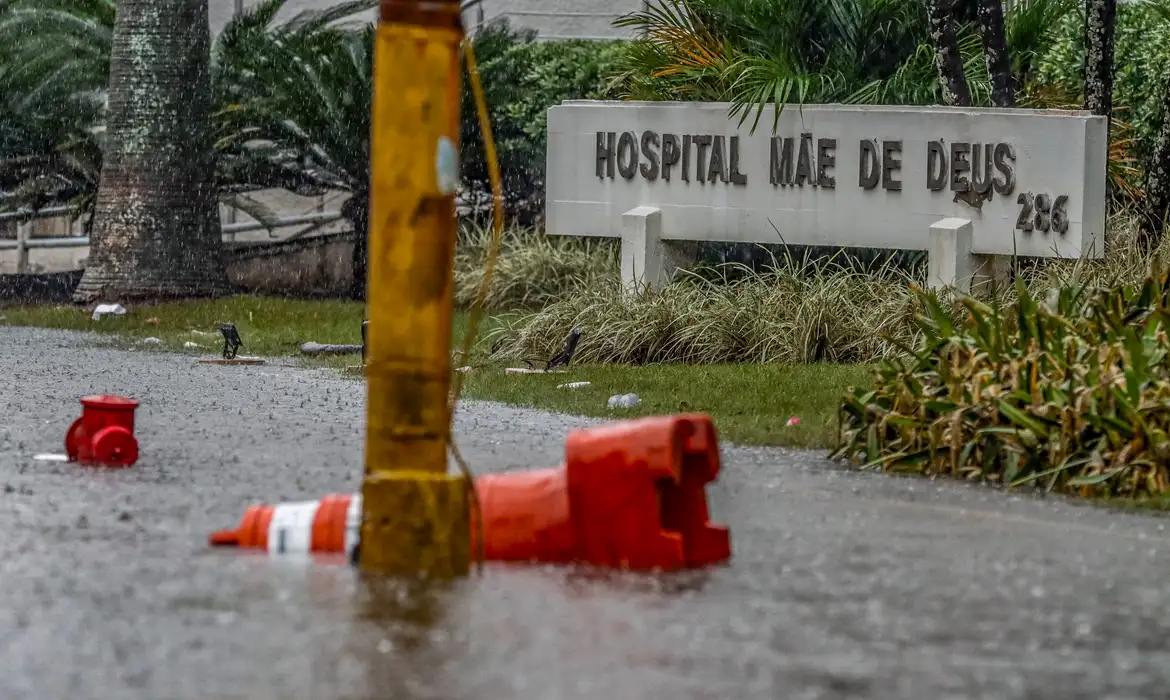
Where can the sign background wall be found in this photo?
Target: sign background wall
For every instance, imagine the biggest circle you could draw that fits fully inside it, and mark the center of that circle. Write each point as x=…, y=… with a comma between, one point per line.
x=1056, y=153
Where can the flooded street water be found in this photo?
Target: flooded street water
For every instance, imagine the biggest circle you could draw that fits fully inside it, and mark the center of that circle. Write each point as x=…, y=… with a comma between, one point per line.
x=842, y=585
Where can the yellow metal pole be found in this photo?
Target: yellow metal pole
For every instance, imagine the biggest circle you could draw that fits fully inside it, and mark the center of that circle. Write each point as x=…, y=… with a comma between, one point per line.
x=415, y=518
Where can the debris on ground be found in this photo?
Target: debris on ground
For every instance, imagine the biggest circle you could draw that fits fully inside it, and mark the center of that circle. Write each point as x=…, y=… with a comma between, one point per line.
x=464, y=369
x=197, y=332
x=793, y=421
x=49, y=457
x=624, y=401
x=530, y=370
x=231, y=340
x=238, y=360
x=573, y=385
x=153, y=320
x=565, y=356
x=152, y=340
x=107, y=310
x=312, y=348
x=189, y=345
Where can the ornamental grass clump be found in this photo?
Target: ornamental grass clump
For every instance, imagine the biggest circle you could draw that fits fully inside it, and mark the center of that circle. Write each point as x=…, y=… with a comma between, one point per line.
x=1071, y=394
x=792, y=312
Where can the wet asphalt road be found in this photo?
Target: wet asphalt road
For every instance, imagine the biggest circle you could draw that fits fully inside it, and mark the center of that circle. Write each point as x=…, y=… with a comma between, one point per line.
x=843, y=585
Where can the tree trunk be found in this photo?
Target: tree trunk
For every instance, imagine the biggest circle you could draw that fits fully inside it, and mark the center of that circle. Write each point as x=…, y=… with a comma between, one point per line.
x=995, y=50
x=947, y=59
x=1157, y=204
x=156, y=229
x=1100, y=19
x=356, y=210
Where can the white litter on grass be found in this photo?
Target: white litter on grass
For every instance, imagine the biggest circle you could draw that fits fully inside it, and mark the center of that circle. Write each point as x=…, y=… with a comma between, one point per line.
x=190, y=345
x=49, y=457
x=624, y=401
x=573, y=385
x=107, y=309
x=151, y=341
x=195, y=332
x=463, y=369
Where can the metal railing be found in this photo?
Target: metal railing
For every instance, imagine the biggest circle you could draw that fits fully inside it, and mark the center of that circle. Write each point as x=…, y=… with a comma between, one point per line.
x=481, y=21
x=25, y=242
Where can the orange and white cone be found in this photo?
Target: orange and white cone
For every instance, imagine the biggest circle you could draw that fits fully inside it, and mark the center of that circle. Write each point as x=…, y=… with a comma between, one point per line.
x=629, y=495
x=331, y=525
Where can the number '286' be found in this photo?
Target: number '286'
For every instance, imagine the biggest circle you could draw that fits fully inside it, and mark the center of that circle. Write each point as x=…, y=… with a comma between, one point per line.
x=1040, y=212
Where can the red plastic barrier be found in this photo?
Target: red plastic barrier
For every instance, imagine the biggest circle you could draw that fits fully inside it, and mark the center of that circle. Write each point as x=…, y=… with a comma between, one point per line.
x=638, y=494
x=104, y=434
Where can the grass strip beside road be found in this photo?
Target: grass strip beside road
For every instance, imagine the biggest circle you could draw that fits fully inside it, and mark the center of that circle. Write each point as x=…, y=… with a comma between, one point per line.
x=751, y=404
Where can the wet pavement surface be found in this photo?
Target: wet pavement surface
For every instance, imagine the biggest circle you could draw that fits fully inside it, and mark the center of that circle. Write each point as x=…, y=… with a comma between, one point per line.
x=843, y=585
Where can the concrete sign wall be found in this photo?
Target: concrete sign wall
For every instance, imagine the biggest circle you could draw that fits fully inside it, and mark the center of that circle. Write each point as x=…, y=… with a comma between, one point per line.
x=1031, y=183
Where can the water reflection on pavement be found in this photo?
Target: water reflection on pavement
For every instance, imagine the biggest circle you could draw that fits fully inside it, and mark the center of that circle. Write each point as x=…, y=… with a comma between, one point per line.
x=842, y=585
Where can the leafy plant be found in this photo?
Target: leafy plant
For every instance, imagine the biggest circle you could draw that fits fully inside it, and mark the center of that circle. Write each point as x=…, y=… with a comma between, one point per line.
x=1141, y=60
x=1070, y=393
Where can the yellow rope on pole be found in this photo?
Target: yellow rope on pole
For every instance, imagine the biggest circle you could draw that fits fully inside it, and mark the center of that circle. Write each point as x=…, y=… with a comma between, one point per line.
x=489, y=146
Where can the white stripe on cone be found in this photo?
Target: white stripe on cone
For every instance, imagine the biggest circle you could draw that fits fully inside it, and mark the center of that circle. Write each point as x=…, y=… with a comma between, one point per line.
x=291, y=528
x=353, y=525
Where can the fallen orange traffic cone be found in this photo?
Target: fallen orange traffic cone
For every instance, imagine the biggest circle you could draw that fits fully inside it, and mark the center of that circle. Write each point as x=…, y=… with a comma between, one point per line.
x=631, y=495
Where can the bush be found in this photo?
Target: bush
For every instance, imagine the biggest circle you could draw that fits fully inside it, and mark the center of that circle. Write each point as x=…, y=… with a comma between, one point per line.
x=1141, y=60
x=791, y=310
x=533, y=270
x=789, y=313
x=521, y=79
x=1072, y=393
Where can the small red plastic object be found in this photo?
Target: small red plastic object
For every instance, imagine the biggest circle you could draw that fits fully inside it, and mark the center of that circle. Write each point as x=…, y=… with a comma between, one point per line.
x=104, y=434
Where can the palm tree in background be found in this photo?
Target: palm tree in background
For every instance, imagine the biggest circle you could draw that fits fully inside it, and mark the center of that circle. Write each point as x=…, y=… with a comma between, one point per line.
x=817, y=51
x=58, y=52
x=156, y=230
x=54, y=65
x=295, y=110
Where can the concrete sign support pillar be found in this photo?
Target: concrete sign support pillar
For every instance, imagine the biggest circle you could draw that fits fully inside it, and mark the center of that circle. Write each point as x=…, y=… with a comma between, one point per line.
x=648, y=261
x=952, y=264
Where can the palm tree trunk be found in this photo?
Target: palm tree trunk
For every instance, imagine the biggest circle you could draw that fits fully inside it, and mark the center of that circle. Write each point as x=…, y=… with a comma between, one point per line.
x=1157, y=204
x=156, y=229
x=356, y=210
x=995, y=50
x=1100, y=19
x=947, y=59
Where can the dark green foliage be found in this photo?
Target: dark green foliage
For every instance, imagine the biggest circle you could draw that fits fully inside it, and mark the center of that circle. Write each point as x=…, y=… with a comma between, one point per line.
x=753, y=53
x=54, y=59
x=522, y=78
x=1141, y=60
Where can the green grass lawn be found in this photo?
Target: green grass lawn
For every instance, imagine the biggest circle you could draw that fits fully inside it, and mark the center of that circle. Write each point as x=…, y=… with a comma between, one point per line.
x=751, y=404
